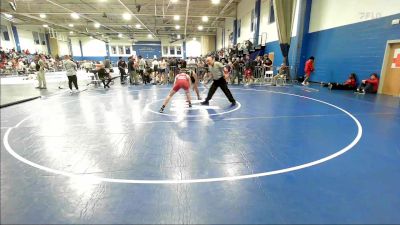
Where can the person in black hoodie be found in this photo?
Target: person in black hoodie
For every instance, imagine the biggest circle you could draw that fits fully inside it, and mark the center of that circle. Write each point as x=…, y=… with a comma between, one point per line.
x=121, y=67
x=104, y=76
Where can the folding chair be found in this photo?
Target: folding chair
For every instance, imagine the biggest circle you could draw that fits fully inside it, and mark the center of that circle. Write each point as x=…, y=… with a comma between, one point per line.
x=269, y=76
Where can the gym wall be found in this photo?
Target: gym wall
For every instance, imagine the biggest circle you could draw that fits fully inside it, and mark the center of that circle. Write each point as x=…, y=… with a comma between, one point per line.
x=344, y=40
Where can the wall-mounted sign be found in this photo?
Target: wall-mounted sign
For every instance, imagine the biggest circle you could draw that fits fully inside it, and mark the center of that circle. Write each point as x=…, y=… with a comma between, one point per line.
x=396, y=59
x=148, y=49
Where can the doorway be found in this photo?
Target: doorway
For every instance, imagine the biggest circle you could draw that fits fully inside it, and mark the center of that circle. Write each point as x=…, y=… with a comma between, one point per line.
x=390, y=75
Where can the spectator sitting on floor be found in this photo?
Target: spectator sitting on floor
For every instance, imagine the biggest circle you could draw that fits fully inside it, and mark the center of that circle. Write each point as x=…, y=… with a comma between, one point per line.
x=370, y=85
x=349, y=84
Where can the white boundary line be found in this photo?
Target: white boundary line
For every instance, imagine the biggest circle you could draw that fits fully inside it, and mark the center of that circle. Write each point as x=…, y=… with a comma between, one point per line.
x=205, y=180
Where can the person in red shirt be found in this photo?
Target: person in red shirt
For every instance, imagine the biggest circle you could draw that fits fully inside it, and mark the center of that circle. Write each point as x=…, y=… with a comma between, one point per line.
x=182, y=80
x=350, y=84
x=308, y=69
x=370, y=85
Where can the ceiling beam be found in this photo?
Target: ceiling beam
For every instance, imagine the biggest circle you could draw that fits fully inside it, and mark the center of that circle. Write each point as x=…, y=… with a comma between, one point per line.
x=63, y=26
x=187, y=13
x=119, y=14
x=71, y=11
x=136, y=18
x=119, y=25
x=222, y=12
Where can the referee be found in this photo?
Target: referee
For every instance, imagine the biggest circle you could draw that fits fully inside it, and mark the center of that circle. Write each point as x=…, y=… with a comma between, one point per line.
x=217, y=71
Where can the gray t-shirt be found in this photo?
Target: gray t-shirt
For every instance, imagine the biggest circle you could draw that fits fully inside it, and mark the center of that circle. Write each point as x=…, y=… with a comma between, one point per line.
x=142, y=64
x=70, y=67
x=217, y=70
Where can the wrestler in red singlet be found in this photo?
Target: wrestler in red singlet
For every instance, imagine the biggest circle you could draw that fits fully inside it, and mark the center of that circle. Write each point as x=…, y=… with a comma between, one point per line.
x=182, y=80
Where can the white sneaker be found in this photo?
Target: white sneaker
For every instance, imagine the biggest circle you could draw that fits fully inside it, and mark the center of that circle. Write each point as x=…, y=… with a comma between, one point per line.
x=304, y=84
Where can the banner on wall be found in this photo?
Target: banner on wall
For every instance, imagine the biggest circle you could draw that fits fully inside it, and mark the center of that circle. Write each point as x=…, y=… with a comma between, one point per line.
x=231, y=39
x=396, y=59
x=148, y=50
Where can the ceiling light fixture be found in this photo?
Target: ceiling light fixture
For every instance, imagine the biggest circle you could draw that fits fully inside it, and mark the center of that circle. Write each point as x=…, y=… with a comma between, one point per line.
x=215, y=2
x=126, y=16
x=194, y=39
x=204, y=18
x=179, y=36
x=75, y=15
x=174, y=1
x=177, y=27
x=7, y=15
x=177, y=17
x=42, y=16
x=97, y=25
x=150, y=36
x=71, y=32
x=138, y=26
x=45, y=25
x=120, y=35
x=200, y=27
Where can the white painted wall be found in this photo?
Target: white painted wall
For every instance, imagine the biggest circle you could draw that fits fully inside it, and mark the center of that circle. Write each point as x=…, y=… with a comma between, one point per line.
x=26, y=40
x=76, y=50
x=90, y=47
x=165, y=42
x=7, y=44
x=193, y=48
x=265, y=26
x=326, y=14
x=270, y=28
x=223, y=33
x=244, y=14
x=121, y=43
x=63, y=48
x=228, y=30
x=219, y=38
x=93, y=47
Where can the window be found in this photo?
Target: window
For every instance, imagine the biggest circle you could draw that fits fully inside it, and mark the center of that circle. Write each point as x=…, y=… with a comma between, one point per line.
x=252, y=21
x=239, y=27
x=171, y=50
x=114, y=50
x=271, y=12
x=178, y=50
x=36, y=39
x=4, y=32
x=42, y=39
x=121, y=50
x=165, y=50
x=127, y=50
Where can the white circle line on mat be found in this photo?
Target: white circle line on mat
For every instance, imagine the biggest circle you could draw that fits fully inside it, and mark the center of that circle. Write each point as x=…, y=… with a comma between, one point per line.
x=202, y=180
x=237, y=107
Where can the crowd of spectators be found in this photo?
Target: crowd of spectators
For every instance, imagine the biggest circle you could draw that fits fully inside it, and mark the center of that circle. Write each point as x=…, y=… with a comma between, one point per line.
x=137, y=70
x=24, y=62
